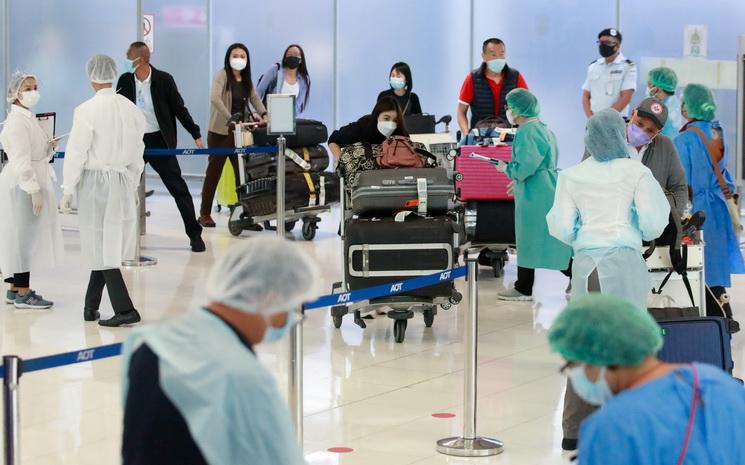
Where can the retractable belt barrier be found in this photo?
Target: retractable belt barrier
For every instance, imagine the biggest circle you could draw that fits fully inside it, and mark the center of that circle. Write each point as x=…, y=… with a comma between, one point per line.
x=214, y=151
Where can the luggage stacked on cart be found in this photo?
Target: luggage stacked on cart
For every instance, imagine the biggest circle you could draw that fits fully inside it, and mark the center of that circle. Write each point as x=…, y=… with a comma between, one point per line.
x=399, y=224
x=309, y=189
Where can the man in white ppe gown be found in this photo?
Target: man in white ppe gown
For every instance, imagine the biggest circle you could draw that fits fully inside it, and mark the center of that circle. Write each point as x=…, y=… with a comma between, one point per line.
x=194, y=390
x=103, y=164
x=30, y=234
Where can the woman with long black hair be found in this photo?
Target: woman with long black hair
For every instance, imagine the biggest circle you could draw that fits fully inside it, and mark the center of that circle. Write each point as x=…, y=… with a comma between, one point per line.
x=232, y=91
x=401, y=83
x=289, y=77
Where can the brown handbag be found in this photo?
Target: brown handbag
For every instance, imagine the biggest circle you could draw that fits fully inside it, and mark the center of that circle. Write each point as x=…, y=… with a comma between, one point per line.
x=715, y=148
x=399, y=152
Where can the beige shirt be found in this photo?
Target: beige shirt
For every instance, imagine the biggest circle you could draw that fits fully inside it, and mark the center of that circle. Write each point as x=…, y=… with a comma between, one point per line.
x=220, y=102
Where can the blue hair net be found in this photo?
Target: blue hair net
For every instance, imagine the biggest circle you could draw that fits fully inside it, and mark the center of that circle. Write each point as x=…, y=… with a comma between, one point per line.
x=605, y=137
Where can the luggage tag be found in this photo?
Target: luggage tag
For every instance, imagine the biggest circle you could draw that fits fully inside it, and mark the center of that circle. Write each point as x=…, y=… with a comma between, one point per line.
x=322, y=198
x=421, y=190
x=401, y=216
x=311, y=189
x=292, y=155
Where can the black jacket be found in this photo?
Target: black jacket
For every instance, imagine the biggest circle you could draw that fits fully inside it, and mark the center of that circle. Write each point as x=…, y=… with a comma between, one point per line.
x=409, y=102
x=167, y=102
x=363, y=130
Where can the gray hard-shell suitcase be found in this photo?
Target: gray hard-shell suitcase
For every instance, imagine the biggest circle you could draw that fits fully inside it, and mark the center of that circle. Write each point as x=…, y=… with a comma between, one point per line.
x=426, y=190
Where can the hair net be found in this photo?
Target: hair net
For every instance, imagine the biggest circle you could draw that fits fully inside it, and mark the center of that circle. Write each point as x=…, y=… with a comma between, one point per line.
x=265, y=275
x=101, y=69
x=605, y=137
x=604, y=330
x=699, y=102
x=664, y=78
x=523, y=103
x=16, y=81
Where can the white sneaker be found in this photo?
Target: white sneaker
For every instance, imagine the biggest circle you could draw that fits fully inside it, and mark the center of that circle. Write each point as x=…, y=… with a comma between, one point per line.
x=514, y=295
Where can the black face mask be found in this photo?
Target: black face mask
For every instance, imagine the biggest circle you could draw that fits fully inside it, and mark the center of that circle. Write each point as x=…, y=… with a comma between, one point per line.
x=607, y=50
x=291, y=62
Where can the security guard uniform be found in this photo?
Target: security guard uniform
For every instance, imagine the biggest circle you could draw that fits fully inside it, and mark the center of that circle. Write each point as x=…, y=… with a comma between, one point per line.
x=606, y=81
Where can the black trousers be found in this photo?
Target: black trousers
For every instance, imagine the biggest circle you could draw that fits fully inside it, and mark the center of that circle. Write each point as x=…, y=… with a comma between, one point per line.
x=20, y=280
x=526, y=278
x=114, y=282
x=170, y=173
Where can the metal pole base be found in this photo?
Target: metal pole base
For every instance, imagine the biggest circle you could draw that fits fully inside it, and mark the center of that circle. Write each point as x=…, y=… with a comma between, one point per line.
x=478, y=447
x=142, y=261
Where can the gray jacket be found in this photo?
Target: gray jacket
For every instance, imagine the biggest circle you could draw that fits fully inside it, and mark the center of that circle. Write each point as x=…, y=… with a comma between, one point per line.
x=662, y=159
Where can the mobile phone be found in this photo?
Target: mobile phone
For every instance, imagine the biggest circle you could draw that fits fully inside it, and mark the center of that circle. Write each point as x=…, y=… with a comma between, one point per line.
x=493, y=161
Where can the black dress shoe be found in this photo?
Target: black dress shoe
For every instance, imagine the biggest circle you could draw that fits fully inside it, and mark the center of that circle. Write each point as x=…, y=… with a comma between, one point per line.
x=733, y=326
x=569, y=444
x=121, y=319
x=91, y=315
x=197, y=244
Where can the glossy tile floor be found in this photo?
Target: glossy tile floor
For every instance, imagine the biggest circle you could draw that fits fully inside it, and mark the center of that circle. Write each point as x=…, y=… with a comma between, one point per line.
x=362, y=390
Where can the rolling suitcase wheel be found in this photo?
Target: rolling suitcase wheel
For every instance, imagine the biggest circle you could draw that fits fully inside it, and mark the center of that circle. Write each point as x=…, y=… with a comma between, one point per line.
x=338, y=320
x=235, y=223
x=399, y=330
x=429, y=316
x=309, y=230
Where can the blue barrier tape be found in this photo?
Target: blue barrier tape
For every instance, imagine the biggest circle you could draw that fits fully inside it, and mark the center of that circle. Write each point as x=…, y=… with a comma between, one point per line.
x=112, y=350
x=215, y=151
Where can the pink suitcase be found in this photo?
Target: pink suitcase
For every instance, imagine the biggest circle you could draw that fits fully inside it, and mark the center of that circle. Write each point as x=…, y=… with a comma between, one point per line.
x=479, y=180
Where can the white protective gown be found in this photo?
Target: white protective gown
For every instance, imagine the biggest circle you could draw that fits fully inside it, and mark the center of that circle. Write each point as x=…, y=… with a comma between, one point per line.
x=27, y=242
x=103, y=164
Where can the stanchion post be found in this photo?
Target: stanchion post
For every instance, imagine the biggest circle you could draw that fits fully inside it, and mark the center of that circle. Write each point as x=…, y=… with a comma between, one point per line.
x=281, y=146
x=140, y=260
x=295, y=378
x=12, y=418
x=470, y=445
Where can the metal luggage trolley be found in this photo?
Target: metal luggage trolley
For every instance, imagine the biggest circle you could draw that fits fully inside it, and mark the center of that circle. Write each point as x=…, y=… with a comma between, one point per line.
x=402, y=307
x=240, y=219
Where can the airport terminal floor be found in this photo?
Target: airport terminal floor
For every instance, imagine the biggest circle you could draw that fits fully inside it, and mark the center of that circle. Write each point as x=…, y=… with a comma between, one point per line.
x=387, y=402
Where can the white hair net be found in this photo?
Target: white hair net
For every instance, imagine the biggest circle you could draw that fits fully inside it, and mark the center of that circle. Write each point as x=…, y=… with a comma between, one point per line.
x=16, y=81
x=101, y=69
x=606, y=135
x=265, y=276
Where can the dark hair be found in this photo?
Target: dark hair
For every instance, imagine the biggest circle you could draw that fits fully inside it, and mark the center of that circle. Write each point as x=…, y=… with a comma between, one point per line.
x=389, y=104
x=491, y=40
x=137, y=44
x=404, y=69
x=246, y=81
x=302, y=71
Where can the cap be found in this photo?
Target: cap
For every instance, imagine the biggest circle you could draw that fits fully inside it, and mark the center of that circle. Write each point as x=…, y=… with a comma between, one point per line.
x=654, y=110
x=612, y=33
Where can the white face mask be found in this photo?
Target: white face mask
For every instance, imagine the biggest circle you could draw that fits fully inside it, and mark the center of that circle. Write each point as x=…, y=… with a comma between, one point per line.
x=29, y=98
x=238, y=64
x=510, y=116
x=386, y=127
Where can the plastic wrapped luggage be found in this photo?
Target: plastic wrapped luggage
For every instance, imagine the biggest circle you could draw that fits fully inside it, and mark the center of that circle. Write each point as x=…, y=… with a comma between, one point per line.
x=426, y=190
x=704, y=339
x=477, y=179
x=308, y=132
x=262, y=165
x=301, y=190
x=382, y=250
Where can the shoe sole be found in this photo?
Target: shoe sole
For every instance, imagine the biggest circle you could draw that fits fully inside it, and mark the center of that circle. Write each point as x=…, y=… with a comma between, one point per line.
x=32, y=307
x=514, y=299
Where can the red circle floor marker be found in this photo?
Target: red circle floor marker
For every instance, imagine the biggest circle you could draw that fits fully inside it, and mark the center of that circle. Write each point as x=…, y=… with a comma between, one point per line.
x=340, y=450
x=443, y=415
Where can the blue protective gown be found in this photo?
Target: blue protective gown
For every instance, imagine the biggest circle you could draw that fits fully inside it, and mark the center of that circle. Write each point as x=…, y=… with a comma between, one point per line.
x=646, y=425
x=229, y=401
x=722, y=255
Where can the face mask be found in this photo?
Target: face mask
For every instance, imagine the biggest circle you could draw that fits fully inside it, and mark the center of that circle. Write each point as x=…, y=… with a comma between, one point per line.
x=129, y=65
x=275, y=334
x=496, y=65
x=291, y=62
x=397, y=83
x=636, y=135
x=510, y=116
x=238, y=64
x=387, y=127
x=29, y=98
x=606, y=50
x=597, y=393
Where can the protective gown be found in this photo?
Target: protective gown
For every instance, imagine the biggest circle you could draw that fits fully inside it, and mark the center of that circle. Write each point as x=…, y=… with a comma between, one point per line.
x=229, y=401
x=533, y=168
x=27, y=242
x=604, y=210
x=103, y=164
x=722, y=255
x=647, y=425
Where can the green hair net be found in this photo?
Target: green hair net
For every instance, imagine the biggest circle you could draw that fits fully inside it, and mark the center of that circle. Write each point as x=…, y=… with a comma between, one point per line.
x=603, y=330
x=523, y=103
x=699, y=102
x=664, y=78
x=605, y=137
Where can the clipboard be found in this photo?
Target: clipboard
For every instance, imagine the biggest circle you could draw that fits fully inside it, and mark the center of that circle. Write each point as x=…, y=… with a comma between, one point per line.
x=48, y=122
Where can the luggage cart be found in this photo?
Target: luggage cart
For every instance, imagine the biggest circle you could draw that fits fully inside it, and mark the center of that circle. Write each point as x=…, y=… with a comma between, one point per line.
x=402, y=307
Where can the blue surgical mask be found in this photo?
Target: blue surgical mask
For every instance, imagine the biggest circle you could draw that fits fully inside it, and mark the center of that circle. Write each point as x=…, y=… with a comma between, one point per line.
x=397, y=83
x=597, y=393
x=275, y=334
x=129, y=65
x=496, y=65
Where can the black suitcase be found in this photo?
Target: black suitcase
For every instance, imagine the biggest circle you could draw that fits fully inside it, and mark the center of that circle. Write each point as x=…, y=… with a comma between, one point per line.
x=391, y=190
x=491, y=221
x=703, y=339
x=301, y=190
x=381, y=251
x=307, y=132
x=263, y=165
x=420, y=124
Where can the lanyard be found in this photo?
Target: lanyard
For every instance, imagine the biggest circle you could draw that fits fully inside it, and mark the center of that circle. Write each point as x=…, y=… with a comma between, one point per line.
x=691, y=419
